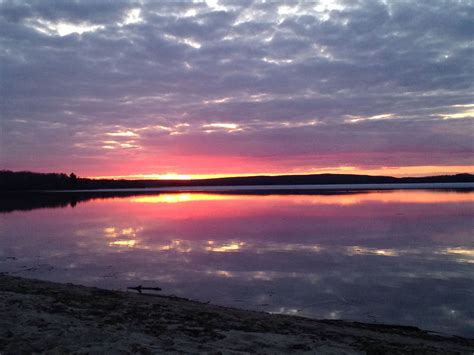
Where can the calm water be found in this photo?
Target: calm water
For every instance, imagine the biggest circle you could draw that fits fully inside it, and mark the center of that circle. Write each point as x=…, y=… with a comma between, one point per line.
x=404, y=257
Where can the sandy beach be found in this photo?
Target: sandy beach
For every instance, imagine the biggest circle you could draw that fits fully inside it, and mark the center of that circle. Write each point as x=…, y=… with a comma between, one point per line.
x=46, y=317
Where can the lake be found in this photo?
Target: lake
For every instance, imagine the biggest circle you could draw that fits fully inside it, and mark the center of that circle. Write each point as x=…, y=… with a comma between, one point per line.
x=391, y=256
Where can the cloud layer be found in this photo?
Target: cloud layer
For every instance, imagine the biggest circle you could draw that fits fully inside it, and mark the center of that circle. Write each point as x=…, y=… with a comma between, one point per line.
x=117, y=88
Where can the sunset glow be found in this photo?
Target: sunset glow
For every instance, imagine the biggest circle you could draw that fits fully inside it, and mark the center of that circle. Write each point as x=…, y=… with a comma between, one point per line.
x=183, y=197
x=311, y=158
x=385, y=171
x=198, y=92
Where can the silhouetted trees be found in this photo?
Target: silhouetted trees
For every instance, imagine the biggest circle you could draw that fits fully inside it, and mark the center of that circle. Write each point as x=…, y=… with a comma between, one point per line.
x=24, y=180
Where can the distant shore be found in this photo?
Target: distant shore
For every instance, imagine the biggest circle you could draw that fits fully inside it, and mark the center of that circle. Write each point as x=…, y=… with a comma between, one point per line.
x=25, y=181
x=40, y=316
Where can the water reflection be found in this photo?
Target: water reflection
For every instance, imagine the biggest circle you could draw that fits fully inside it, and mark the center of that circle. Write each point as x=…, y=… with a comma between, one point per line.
x=185, y=197
x=393, y=256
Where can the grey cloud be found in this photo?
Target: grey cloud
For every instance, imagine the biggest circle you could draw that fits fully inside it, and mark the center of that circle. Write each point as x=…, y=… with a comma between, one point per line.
x=104, y=11
x=405, y=143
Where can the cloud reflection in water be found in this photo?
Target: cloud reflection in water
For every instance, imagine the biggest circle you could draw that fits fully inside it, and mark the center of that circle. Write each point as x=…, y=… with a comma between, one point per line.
x=393, y=256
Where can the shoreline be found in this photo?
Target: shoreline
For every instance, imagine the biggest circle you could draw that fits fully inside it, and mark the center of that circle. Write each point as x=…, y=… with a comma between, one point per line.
x=43, y=316
x=27, y=200
x=285, y=188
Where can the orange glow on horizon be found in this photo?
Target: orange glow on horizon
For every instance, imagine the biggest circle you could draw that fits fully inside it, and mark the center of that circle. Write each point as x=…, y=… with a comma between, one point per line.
x=403, y=171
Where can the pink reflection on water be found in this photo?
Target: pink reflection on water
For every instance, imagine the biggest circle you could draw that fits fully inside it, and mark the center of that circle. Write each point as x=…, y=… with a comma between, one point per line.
x=345, y=251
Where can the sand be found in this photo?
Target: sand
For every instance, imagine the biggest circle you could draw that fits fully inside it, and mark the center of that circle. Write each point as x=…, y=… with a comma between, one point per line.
x=52, y=318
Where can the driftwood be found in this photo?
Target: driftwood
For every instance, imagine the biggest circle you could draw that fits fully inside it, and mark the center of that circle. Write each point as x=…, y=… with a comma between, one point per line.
x=140, y=288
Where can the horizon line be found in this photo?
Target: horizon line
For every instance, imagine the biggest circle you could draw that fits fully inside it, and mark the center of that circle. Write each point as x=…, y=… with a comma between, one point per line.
x=179, y=177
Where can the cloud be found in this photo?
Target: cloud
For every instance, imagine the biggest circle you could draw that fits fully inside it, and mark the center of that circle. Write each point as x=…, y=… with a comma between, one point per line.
x=330, y=80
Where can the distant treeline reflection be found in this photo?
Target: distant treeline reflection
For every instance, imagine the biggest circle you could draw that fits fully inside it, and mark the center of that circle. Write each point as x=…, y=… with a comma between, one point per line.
x=31, y=200
x=27, y=201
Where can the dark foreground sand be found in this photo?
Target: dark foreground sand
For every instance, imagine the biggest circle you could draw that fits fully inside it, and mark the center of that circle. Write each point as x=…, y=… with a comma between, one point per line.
x=45, y=317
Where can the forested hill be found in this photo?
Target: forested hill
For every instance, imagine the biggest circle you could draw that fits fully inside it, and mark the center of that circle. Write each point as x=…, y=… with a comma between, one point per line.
x=20, y=181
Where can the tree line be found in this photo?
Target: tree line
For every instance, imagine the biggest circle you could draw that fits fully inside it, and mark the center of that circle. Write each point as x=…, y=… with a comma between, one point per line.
x=27, y=181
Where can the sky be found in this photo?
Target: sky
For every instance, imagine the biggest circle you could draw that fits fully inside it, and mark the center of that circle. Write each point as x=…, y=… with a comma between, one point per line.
x=215, y=88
